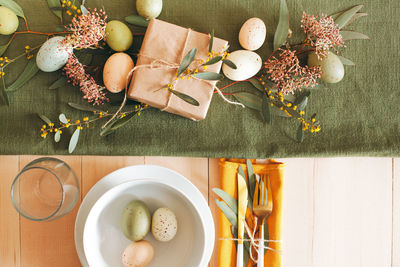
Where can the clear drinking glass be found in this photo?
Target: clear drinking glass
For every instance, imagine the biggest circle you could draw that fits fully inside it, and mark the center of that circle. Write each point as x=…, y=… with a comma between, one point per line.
x=44, y=190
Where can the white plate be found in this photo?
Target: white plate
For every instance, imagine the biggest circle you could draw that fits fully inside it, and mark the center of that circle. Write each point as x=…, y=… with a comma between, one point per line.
x=104, y=241
x=135, y=173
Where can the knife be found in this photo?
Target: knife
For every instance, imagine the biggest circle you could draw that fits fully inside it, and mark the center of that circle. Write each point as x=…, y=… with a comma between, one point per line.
x=242, y=207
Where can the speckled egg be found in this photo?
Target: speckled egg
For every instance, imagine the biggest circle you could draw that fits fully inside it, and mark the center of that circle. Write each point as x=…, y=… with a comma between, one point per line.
x=252, y=34
x=8, y=21
x=53, y=54
x=116, y=71
x=135, y=220
x=248, y=64
x=164, y=225
x=138, y=254
x=149, y=9
x=331, y=66
x=118, y=36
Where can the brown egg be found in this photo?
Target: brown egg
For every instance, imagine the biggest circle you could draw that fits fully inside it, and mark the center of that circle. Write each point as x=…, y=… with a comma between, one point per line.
x=138, y=254
x=116, y=71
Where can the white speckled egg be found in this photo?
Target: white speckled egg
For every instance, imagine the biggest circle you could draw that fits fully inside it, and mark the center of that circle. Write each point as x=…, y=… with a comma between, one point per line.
x=252, y=34
x=164, y=225
x=331, y=66
x=53, y=54
x=248, y=64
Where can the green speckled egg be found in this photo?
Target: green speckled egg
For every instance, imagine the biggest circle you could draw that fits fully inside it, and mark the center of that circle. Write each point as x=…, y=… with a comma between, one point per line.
x=331, y=66
x=149, y=9
x=135, y=220
x=8, y=21
x=118, y=36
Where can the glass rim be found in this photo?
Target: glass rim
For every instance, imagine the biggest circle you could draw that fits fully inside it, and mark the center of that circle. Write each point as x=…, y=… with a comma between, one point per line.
x=30, y=167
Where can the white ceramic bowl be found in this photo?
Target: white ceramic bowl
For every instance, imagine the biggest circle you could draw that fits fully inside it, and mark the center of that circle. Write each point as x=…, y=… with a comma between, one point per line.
x=104, y=241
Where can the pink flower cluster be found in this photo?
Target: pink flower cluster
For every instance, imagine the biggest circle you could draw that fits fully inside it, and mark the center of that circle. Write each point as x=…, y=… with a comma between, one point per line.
x=287, y=73
x=323, y=34
x=87, y=30
x=77, y=75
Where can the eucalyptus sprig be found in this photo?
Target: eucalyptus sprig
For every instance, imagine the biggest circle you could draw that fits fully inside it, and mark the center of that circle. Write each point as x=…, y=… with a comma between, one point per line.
x=271, y=98
x=199, y=70
x=64, y=123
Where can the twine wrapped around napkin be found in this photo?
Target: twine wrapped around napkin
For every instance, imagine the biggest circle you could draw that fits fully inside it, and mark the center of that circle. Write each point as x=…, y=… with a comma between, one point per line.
x=228, y=173
x=168, y=43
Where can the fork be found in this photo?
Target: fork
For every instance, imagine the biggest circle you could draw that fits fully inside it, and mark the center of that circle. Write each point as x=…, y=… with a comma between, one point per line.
x=262, y=208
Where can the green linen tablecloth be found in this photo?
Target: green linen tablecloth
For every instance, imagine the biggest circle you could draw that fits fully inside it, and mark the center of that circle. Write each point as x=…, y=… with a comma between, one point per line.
x=360, y=115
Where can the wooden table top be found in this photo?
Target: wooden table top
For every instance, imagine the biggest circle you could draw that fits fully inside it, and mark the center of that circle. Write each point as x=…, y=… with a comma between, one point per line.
x=337, y=212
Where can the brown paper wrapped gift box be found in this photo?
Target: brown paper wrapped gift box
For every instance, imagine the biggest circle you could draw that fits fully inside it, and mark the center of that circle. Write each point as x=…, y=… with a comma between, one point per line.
x=168, y=44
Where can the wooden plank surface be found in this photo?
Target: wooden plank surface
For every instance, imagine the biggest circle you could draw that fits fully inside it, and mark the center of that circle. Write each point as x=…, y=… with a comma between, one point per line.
x=337, y=212
x=9, y=218
x=352, y=212
x=396, y=214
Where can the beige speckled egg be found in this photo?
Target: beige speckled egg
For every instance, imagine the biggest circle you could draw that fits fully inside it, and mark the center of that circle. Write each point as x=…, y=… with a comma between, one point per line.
x=248, y=64
x=252, y=34
x=53, y=54
x=138, y=254
x=116, y=71
x=164, y=225
x=331, y=66
x=8, y=21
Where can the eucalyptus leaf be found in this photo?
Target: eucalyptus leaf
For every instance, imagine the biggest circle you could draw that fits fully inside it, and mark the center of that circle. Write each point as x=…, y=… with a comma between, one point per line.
x=229, y=214
x=44, y=118
x=210, y=46
x=257, y=84
x=229, y=63
x=3, y=49
x=185, y=97
x=84, y=58
x=137, y=21
x=352, y=35
x=63, y=119
x=345, y=17
x=117, y=124
x=30, y=70
x=83, y=107
x=57, y=137
x=84, y=10
x=228, y=199
x=303, y=104
x=346, y=61
x=187, y=60
x=246, y=257
x=123, y=121
x=249, y=100
x=355, y=17
x=213, y=60
x=55, y=4
x=209, y=76
x=265, y=109
x=241, y=172
x=61, y=82
x=252, y=178
x=300, y=133
x=74, y=141
x=13, y=6
x=282, y=29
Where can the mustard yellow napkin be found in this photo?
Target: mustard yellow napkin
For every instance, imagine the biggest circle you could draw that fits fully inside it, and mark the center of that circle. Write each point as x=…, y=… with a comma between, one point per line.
x=228, y=171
